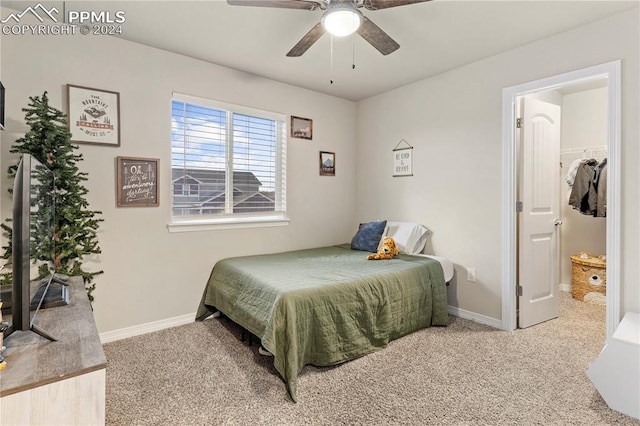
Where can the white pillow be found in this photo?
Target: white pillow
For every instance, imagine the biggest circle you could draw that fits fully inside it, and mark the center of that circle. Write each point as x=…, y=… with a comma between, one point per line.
x=410, y=237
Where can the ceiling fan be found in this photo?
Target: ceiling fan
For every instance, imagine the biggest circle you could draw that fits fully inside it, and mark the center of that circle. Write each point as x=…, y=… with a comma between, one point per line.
x=341, y=18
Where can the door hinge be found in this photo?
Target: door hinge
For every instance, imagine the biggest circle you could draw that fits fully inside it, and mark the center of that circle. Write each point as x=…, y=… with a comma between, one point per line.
x=518, y=123
x=518, y=206
x=519, y=290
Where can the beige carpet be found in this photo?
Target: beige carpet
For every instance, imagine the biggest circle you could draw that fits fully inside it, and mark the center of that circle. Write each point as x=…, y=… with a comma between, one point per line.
x=463, y=374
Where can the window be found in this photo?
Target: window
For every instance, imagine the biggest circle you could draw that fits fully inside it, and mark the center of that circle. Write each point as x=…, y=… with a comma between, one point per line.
x=227, y=163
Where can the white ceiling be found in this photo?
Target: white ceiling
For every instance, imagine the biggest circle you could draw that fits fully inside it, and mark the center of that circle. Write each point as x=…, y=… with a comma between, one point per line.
x=434, y=37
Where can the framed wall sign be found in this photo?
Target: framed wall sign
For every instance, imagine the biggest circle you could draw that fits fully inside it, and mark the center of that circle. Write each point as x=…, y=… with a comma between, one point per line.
x=94, y=115
x=137, y=182
x=327, y=163
x=403, y=159
x=301, y=128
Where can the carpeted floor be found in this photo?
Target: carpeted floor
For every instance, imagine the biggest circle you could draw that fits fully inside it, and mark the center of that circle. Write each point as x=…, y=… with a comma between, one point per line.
x=463, y=374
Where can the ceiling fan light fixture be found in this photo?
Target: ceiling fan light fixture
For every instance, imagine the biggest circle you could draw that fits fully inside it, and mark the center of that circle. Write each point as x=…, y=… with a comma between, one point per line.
x=342, y=21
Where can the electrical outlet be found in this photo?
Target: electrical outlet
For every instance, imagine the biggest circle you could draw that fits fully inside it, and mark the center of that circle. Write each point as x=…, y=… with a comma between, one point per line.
x=471, y=275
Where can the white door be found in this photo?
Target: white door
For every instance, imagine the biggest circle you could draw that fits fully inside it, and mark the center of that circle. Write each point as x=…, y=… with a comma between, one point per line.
x=538, y=222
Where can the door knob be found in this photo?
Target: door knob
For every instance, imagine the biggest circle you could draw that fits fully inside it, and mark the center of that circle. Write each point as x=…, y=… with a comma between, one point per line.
x=557, y=222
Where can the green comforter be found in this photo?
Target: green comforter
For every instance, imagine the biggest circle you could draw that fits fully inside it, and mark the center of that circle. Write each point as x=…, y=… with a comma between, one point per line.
x=326, y=305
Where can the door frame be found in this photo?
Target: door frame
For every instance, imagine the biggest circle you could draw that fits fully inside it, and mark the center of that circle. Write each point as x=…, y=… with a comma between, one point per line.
x=611, y=72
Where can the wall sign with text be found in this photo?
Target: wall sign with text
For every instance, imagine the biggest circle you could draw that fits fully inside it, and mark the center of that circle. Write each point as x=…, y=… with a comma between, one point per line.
x=94, y=115
x=403, y=160
x=137, y=182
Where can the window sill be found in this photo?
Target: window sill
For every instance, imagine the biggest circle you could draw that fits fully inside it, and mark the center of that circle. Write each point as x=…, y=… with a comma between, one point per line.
x=191, y=225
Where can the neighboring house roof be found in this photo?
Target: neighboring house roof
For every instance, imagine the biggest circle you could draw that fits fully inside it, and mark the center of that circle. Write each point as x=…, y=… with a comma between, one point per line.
x=246, y=190
x=209, y=176
x=243, y=197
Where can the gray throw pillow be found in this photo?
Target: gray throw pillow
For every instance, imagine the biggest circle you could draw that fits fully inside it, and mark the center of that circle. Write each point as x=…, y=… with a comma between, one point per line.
x=368, y=236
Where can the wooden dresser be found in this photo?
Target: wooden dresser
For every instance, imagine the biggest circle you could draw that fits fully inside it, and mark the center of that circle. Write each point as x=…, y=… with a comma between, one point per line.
x=56, y=383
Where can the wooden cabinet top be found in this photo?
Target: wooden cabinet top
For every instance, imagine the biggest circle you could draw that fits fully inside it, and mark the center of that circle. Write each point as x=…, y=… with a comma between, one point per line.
x=34, y=361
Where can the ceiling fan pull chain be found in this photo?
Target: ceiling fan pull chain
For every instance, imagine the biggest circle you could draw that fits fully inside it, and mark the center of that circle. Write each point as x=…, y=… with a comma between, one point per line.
x=353, y=52
x=331, y=62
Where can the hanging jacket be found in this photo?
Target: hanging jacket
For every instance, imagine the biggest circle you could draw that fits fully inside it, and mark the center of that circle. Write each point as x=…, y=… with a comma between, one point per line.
x=571, y=174
x=583, y=192
x=573, y=169
x=600, y=182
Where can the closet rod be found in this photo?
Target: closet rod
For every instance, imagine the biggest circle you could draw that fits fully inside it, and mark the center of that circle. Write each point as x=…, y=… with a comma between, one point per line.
x=598, y=152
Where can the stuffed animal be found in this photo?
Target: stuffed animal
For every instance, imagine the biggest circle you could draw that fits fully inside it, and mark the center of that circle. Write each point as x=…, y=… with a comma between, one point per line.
x=387, y=250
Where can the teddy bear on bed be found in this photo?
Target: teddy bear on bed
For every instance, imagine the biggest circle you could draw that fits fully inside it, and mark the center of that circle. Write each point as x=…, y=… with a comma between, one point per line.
x=387, y=250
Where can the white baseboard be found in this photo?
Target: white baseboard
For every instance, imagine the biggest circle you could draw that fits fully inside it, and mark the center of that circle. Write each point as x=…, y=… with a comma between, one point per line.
x=136, y=330
x=481, y=319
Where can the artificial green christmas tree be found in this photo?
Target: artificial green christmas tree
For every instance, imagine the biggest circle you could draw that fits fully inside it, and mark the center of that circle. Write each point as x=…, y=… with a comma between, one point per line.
x=75, y=226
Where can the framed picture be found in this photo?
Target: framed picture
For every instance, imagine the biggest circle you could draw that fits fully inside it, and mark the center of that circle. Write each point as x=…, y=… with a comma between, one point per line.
x=137, y=182
x=301, y=128
x=94, y=115
x=403, y=160
x=327, y=163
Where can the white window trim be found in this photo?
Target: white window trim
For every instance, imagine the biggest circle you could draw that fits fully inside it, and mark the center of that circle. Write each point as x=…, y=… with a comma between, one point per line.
x=192, y=225
x=196, y=224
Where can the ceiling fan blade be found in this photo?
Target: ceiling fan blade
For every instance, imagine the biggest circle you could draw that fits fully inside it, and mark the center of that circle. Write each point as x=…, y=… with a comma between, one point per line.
x=306, y=41
x=284, y=4
x=385, y=4
x=376, y=37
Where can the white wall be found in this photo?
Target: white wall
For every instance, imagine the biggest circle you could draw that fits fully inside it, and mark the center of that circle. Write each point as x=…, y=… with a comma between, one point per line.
x=151, y=274
x=584, y=124
x=453, y=120
x=584, y=118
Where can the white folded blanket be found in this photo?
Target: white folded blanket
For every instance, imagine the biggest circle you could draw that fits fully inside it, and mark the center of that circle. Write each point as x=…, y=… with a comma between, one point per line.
x=447, y=265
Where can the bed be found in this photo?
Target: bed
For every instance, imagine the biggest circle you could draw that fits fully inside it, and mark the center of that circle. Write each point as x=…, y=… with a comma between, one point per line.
x=327, y=305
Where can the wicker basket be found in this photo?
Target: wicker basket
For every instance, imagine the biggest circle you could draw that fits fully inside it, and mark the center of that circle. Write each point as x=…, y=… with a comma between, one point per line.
x=589, y=275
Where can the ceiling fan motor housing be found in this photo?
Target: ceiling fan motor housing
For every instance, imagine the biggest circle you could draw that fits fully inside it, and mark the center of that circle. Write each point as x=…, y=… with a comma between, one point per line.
x=342, y=19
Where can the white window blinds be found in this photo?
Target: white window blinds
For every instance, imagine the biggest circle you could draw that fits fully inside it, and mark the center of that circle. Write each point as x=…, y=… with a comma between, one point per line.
x=226, y=160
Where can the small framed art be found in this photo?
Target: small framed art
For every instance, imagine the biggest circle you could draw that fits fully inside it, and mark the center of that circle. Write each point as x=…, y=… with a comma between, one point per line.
x=327, y=163
x=137, y=182
x=94, y=115
x=301, y=128
x=403, y=159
